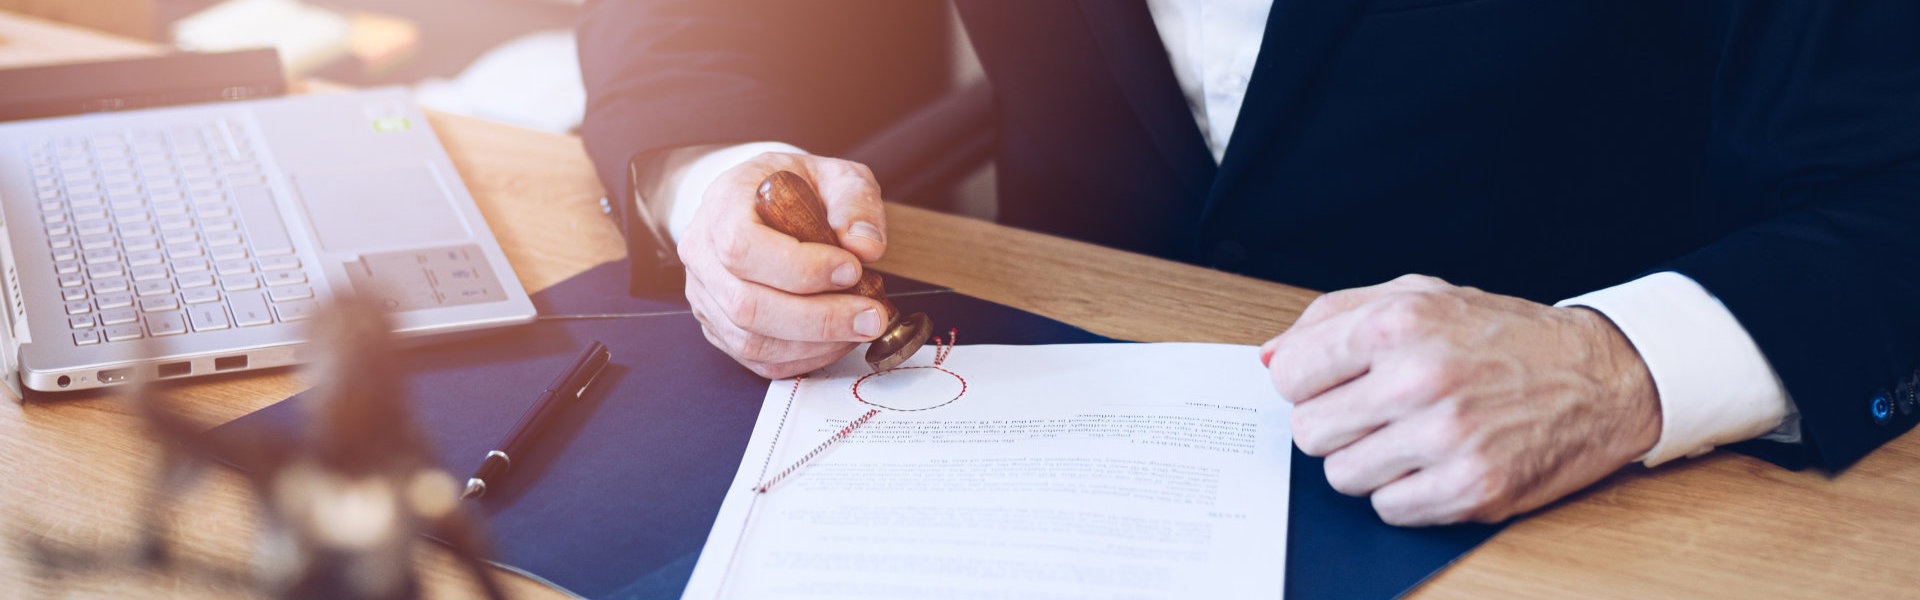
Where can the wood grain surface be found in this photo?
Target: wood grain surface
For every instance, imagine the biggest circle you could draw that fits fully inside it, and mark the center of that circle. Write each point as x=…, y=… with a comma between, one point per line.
x=76, y=468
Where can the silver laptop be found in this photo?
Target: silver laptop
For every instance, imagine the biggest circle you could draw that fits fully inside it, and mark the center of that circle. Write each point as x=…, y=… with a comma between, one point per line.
x=206, y=233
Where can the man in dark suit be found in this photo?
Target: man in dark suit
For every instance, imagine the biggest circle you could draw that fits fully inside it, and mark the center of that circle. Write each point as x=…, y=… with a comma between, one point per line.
x=1722, y=197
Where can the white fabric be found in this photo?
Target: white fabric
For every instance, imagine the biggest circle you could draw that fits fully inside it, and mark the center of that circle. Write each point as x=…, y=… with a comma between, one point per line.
x=1715, y=386
x=1213, y=45
x=686, y=173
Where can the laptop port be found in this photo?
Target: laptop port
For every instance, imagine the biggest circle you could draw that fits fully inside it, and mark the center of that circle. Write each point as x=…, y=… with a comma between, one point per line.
x=229, y=363
x=64, y=381
x=175, y=369
x=113, y=375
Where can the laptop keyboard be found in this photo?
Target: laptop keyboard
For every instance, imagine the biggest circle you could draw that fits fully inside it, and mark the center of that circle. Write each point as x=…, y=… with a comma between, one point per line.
x=164, y=232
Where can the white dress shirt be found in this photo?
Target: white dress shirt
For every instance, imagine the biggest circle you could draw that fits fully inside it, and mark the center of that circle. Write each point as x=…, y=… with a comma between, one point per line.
x=1715, y=386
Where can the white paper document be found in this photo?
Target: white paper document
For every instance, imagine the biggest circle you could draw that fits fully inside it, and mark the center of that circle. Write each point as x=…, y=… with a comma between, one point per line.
x=1134, y=471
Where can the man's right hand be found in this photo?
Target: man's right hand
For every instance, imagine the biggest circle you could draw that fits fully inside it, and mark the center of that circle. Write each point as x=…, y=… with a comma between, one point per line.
x=757, y=291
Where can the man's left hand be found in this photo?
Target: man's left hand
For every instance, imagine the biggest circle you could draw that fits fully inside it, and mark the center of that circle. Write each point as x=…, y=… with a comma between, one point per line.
x=1449, y=404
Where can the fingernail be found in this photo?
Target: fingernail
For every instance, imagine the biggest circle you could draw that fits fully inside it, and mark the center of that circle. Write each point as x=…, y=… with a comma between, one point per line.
x=867, y=323
x=846, y=275
x=866, y=230
x=1266, y=356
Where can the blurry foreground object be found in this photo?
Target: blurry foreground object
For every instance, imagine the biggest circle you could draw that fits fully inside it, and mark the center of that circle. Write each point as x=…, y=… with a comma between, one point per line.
x=532, y=81
x=343, y=503
x=307, y=36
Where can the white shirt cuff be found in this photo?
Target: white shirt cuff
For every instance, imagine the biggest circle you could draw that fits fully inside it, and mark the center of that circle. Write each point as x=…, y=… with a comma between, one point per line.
x=1715, y=386
x=684, y=174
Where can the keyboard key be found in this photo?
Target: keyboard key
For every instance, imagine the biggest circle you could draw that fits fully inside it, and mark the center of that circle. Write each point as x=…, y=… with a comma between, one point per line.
x=112, y=301
x=171, y=323
x=85, y=201
x=206, y=197
x=171, y=209
x=79, y=307
x=105, y=270
x=144, y=245
x=221, y=224
x=73, y=294
x=264, y=224
x=89, y=214
x=94, y=228
x=149, y=273
x=297, y=310
x=291, y=292
x=128, y=203
x=244, y=282
x=132, y=217
x=66, y=267
x=216, y=240
x=60, y=229
x=147, y=289
x=80, y=322
x=279, y=278
x=279, y=263
x=54, y=218
x=191, y=265
x=184, y=251
x=209, y=317
x=176, y=223
x=249, y=309
x=86, y=338
x=203, y=295
x=59, y=242
x=195, y=280
x=233, y=267
x=110, y=285
x=121, y=333
x=229, y=253
x=144, y=230
x=158, y=304
x=181, y=237
x=103, y=255
x=118, y=316
x=74, y=280
x=97, y=242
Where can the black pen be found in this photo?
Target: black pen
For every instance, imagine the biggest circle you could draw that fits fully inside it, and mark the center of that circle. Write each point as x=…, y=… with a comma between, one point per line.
x=563, y=391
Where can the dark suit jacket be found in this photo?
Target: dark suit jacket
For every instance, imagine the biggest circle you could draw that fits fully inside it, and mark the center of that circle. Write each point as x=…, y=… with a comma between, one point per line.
x=1770, y=150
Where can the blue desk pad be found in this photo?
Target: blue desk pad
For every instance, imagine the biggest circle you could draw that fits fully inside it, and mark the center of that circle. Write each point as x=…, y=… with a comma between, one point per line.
x=617, y=499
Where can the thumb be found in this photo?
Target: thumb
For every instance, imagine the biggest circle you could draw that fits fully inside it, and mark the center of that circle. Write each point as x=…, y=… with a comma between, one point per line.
x=853, y=206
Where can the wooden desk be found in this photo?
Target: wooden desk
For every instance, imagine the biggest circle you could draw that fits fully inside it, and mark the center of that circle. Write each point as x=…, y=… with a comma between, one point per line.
x=1722, y=526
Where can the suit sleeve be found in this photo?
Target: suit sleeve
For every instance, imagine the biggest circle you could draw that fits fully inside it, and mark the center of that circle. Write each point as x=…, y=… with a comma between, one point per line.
x=1816, y=128
x=666, y=74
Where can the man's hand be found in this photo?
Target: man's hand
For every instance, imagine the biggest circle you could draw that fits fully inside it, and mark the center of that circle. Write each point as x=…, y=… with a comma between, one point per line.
x=1450, y=404
x=757, y=291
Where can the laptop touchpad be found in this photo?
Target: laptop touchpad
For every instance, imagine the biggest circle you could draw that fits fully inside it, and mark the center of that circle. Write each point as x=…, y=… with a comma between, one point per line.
x=380, y=208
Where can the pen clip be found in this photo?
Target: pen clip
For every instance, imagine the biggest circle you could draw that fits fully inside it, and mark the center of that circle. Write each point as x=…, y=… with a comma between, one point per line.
x=577, y=394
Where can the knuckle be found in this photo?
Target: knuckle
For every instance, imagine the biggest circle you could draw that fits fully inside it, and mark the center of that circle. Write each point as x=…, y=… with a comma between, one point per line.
x=1343, y=474
x=755, y=348
x=743, y=309
x=1392, y=514
x=1429, y=377
x=732, y=250
x=1401, y=316
x=1486, y=486
x=1311, y=438
x=1416, y=280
